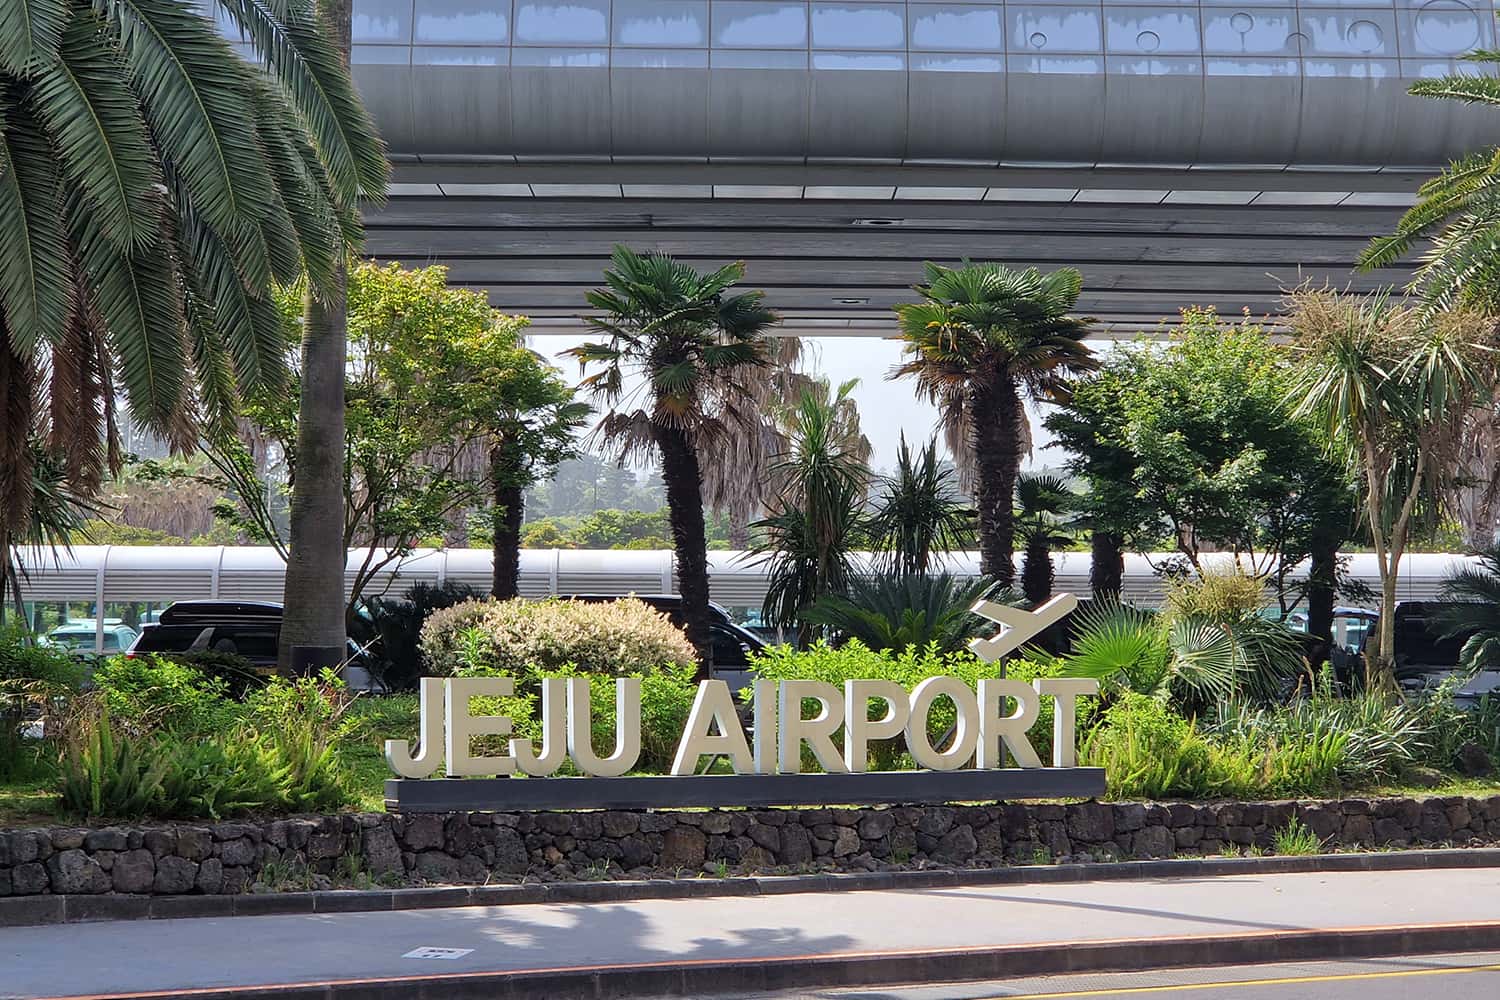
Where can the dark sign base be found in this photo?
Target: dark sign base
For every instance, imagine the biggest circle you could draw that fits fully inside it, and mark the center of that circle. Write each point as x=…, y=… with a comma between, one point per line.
x=705, y=791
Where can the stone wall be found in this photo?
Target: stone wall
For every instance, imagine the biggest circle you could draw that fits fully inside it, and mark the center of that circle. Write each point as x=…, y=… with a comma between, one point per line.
x=233, y=857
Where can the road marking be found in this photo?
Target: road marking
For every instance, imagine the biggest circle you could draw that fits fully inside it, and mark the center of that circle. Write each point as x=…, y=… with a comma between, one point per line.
x=1184, y=987
x=444, y=953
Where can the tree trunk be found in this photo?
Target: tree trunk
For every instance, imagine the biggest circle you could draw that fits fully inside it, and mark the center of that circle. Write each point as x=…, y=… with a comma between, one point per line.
x=1321, y=588
x=313, y=619
x=1107, y=566
x=509, y=508
x=997, y=463
x=1036, y=571
x=684, y=486
x=312, y=624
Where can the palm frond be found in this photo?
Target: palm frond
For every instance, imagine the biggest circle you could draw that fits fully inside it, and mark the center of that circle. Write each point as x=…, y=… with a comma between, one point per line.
x=34, y=264
x=31, y=33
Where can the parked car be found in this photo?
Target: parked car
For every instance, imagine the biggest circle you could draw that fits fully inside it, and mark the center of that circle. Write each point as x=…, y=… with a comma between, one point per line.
x=732, y=643
x=1424, y=658
x=250, y=630
x=78, y=636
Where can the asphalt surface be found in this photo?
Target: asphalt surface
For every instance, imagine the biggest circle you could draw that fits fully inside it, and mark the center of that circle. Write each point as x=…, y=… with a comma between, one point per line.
x=1449, y=977
x=146, y=955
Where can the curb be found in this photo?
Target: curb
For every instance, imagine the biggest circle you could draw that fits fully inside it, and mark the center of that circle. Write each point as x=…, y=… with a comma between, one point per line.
x=24, y=911
x=716, y=978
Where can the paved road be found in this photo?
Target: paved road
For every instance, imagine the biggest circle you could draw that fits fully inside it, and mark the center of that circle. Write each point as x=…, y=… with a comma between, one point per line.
x=1451, y=977
x=207, y=952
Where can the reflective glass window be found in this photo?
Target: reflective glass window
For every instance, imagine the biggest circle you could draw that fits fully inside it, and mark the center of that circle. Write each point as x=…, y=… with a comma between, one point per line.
x=1357, y=69
x=458, y=55
x=1348, y=32
x=661, y=22
x=380, y=55
x=381, y=22
x=750, y=24
x=1443, y=28
x=1251, y=67
x=956, y=28
x=858, y=26
x=857, y=60
x=1154, y=66
x=753, y=59
x=956, y=62
x=542, y=22
x=1252, y=31
x=1081, y=65
x=659, y=58
x=1151, y=29
x=1053, y=29
x=463, y=22
x=560, y=58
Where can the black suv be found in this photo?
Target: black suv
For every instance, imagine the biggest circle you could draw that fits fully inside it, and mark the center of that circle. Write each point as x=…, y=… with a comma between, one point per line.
x=247, y=629
x=732, y=643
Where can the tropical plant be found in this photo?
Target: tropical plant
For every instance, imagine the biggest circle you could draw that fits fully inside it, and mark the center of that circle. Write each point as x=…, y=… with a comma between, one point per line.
x=1392, y=389
x=398, y=628
x=1296, y=838
x=1194, y=655
x=1458, y=211
x=810, y=532
x=153, y=183
x=1471, y=610
x=686, y=336
x=1042, y=505
x=983, y=338
x=909, y=610
x=919, y=512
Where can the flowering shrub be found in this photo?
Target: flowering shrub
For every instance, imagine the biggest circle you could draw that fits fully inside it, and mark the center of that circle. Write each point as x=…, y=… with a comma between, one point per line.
x=528, y=639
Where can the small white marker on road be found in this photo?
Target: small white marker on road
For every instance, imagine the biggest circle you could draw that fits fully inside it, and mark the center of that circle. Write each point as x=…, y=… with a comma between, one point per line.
x=440, y=953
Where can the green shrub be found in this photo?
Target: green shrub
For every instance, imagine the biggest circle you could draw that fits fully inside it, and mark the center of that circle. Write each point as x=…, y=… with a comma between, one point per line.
x=33, y=679
x=397, y=628
x=110, y=773
x=530, y=639
x=160, y=693
x=1149, y=751
x=854, y=661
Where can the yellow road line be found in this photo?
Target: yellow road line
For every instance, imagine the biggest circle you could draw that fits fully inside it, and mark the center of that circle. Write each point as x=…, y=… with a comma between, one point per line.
x=1184, y=987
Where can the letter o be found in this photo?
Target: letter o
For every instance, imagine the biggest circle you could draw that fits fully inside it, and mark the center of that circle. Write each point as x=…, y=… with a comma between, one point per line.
x=966, y=732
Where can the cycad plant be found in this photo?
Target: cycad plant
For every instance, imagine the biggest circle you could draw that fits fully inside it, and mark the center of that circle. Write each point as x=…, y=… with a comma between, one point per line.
x=904, y=611
x=153, y=185
x=1458, y=210
x=687, y=336
x=982, y=339
x=919, y=512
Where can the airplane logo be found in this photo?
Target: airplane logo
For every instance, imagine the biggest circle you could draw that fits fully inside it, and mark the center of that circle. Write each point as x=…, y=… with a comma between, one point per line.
x=1017, y=625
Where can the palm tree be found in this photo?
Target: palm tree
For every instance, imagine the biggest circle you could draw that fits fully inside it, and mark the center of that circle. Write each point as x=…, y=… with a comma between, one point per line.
x=686, y=336
x=1459, y=209
x=919, y=511
x=313, y=628
x=1474, y=610
x=982, y=339
x=153, y=184
x=813, y=524
x=912, y=609
x=1041, y=503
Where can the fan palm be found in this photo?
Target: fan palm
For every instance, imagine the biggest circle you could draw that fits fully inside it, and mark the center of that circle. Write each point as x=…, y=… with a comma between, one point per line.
x=1475, y=610
x=686, y=336
x=982, y=339
x=919, y=511
x=1459, y=209
x=153, y=185
x=1041, y=503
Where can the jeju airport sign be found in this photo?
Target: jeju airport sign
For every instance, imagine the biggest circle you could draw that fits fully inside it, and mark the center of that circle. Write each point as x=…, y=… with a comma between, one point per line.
x=992, y=728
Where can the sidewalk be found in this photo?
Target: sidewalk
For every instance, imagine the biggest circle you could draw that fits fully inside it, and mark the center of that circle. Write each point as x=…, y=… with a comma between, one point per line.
x=215, y=953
